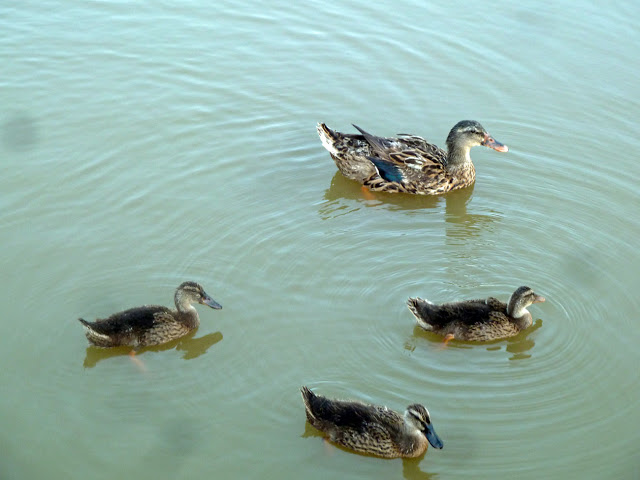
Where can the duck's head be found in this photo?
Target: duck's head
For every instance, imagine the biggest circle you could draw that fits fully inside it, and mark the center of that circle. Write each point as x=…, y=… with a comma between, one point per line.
x=192, y=292
x=417, y=416
x=469, y=133
x=520, y=300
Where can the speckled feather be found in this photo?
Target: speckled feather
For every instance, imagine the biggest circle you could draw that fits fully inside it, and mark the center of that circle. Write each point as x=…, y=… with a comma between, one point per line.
x=150, y=324
x=146, y=325
x=475, y=320
x=418, y=166
x=368, y=429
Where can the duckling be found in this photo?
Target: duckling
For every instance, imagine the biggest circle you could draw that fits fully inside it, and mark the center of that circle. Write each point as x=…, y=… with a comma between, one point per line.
x=476, y=320
x=408, y=164
x=372, y=429
x=150, y=324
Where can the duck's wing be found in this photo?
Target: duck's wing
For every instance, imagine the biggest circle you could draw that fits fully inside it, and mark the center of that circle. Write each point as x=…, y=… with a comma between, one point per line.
x=407, y=164
x=496, y=305
x=406, y=151
x=132, y=320
x=344, y=414
x=425, y=152
x=486, y=310
x=466, y=312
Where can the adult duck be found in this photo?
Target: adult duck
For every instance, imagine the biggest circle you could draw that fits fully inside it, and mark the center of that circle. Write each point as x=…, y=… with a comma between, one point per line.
x=150, y=324
x=372, y=429
x=408, y=163
x=476, y=320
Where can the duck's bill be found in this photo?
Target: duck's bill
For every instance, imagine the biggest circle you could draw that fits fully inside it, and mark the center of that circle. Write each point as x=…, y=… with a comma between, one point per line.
x=433, y=437
x=211, y=302
x=538, y=299
x=491, y=142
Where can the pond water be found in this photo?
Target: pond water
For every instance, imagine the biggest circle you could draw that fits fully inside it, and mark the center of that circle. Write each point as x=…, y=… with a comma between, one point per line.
x=147, y=144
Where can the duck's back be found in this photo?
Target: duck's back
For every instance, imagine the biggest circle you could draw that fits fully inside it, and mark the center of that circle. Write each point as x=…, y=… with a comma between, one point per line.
x=353, y=153
x=364, y=428
x=138, y=318
x=136, y=326
x=468, y=312
x=353, y=415
x=473, y=320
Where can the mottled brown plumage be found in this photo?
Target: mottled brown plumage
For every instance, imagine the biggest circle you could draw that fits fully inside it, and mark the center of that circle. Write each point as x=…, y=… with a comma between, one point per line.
x=372, y=429
x=150, y=324
x=408, y=164
x=477, y=320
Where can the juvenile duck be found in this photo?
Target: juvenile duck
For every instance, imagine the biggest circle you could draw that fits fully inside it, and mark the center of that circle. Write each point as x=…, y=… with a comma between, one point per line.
x=372, y=429
x=408, y=164
x=150, y=324
x=476, y=320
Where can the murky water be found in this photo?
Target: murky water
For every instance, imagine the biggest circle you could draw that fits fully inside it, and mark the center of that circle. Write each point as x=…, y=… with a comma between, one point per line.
x=143, y=145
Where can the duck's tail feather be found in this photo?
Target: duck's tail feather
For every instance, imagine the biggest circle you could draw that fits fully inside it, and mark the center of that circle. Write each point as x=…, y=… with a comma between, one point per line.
x=376, y=142
x=422, y=310
x=327, y=137
x=308, y=397
x=95, y=335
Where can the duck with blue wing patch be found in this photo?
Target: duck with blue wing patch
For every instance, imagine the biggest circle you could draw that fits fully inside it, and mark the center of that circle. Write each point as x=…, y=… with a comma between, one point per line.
x=408, y=163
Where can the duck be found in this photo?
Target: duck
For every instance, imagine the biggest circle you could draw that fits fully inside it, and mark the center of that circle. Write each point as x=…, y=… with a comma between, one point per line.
x=476, y=320
x=408, y=163
x=150, y=324
x=372, y=429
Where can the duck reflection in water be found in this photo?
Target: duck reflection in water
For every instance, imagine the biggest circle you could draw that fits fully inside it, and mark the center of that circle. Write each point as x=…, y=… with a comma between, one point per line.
x=344, y=197
x=410, y=466
x=518, y=345
x=192, y=348
x=407, y=163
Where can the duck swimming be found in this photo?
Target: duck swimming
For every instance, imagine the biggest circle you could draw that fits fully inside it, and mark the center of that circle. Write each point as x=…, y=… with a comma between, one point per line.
x=372, y=429
x=476, y=320
x=408, y=164
x=150, y=324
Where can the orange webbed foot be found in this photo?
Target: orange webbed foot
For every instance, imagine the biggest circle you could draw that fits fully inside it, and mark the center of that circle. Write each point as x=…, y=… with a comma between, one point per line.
x=367, y=194
x=447, y=338
x=136, y=360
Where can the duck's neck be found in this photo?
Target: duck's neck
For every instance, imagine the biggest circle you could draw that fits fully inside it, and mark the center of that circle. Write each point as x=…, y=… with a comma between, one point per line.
x=458, y=156
x=520, y=314
x=187, y=312
x=413, y=443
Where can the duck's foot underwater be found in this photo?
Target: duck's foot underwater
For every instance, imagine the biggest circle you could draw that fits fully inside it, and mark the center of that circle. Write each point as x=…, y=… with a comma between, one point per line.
x=367, y=194
x=329, y=448
x=137, y=361
x=447, y=338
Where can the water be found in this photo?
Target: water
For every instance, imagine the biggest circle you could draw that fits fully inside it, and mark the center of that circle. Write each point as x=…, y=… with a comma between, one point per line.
x=143, y=145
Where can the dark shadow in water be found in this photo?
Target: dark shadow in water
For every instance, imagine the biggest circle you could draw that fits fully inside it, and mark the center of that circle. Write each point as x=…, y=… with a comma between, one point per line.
x=519, y=345
x=342, y=188
x=411, y=469
x=410, y=466
x=460, y=225
x=176, y=440
x=345, y=196
x=310, y=431
x=193, y=348
x=19, y=132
